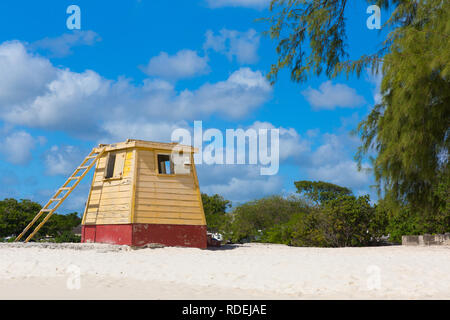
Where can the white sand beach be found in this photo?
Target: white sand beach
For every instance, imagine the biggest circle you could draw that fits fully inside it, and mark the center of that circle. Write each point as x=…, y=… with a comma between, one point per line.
x=249, y=271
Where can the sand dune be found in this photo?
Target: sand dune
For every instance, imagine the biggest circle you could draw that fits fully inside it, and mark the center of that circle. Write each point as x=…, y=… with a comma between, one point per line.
x=250, y=271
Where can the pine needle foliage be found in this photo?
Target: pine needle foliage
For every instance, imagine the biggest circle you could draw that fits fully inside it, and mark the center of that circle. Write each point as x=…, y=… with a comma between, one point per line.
x=409, y=128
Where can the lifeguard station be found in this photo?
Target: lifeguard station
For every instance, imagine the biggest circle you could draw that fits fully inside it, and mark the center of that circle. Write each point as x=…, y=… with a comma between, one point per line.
x=142, y=192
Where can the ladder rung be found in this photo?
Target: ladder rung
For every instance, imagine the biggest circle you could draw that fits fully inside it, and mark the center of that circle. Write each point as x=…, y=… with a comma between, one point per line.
x=50, y=211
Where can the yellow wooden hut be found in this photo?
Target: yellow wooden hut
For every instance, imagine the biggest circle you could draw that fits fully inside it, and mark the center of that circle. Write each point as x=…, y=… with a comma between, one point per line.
x=142, y=192
x=145, y=192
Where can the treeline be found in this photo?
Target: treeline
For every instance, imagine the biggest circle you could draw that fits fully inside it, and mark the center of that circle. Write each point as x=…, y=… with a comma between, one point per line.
x=321, y=215
x=15, y=216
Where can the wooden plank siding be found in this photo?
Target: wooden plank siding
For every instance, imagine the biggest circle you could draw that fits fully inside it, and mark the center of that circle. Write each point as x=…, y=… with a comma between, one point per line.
x=161, y=199
x=141, y=194
x=109, y=200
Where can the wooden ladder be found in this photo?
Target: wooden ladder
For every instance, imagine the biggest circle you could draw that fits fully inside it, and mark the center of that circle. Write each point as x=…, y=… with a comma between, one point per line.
x=62, y=193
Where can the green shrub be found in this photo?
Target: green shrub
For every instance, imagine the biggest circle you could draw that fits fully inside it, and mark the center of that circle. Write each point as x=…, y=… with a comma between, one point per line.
x=308, y=230
x=253, y=219
x=347, y=221
x=410, y=222
x=343, y=221
x=15, y=216
x=67, y=236
x=215, y=207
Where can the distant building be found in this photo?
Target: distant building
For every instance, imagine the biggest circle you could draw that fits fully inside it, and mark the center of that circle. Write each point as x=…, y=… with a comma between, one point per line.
x=77, y=230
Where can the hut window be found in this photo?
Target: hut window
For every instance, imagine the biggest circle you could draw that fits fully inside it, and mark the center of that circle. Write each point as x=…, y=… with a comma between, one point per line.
x=168, y=165
x=165, y=165
x=114, y=165
x=110, y=166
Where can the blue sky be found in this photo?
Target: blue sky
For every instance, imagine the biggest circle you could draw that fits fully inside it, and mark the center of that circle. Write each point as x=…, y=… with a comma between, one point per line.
x=140, y=69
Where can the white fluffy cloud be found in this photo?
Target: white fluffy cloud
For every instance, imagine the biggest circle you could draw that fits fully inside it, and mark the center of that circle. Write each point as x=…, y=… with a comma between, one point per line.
x=234, y=44
x=184, y=64
x=62, y=46
x=344, y=173
x=237, y=183
x=73, y=102
x=255, y=4
x=35, y=93
x=62, y=160
x=241, y=93
x=23, y=75
x=375, y=79
x=244, y=182
x=292, y=147
x=143, y=130
x=329, y=160
x=242, y=190
x=332, y=161
x=334, y=148
x=17, y=147
x=330, y=96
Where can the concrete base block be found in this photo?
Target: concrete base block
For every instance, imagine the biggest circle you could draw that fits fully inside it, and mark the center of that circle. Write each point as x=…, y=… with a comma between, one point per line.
x=427, y=240
x=141, y=234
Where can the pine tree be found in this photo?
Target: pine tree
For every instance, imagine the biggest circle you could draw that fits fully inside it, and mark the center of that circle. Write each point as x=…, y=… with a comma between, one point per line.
x=409, y=129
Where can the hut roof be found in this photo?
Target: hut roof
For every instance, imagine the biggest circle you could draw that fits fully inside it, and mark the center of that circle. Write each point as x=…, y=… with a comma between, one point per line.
x=133, y=143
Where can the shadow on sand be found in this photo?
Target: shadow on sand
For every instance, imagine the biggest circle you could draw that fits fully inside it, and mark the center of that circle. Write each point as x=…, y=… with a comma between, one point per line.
x=224, y=247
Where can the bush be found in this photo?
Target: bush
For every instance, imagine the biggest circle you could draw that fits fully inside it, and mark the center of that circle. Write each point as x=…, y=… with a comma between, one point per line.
x=304, y=229
x=280, y=233
x=343, y=221
x=347, y=221
x=67, y=236
x=215, y=207
x=409, y=219
x=308, y=230
x=251, y=220
x=410, y=222
x=15, y=216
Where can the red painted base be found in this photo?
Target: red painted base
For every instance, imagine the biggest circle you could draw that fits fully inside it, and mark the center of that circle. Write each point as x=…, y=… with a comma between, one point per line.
x=140, y=234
